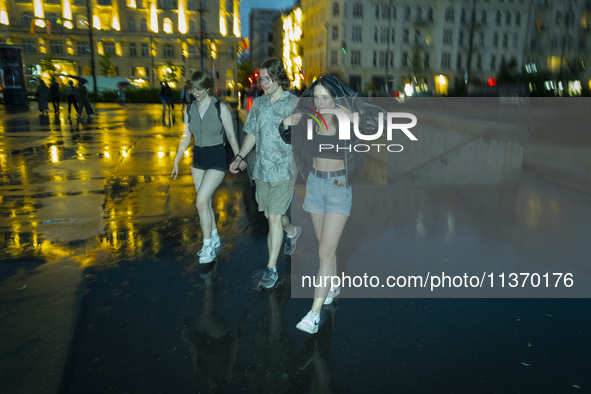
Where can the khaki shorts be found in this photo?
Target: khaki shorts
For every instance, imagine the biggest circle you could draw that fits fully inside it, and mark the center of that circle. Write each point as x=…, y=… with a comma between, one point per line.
x=273, y=197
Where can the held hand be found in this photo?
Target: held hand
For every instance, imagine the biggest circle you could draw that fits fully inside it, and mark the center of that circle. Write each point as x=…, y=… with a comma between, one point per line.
x=234, y=166
x=292, y=120
x=175, y=171
x=242, y=165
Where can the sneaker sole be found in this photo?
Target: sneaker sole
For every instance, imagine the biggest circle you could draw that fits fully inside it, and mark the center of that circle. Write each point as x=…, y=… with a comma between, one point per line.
x=307, y=329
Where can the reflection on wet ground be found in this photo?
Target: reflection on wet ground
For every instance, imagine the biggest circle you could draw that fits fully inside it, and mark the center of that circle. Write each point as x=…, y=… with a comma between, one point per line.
x=100, y=291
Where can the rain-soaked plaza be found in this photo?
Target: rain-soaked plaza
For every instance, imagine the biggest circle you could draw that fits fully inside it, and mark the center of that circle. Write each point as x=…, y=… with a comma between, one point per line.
x=100, y=290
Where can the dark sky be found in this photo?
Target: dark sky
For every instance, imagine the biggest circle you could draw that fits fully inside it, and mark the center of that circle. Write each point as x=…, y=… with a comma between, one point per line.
x=248, y=4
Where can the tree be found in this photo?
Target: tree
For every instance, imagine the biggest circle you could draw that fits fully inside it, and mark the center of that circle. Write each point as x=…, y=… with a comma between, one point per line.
x=106, y=69
x=171, y=76
x=47, y=65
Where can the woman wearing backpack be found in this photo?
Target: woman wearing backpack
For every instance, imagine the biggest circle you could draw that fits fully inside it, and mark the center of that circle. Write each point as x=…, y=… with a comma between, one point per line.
x=206, y=124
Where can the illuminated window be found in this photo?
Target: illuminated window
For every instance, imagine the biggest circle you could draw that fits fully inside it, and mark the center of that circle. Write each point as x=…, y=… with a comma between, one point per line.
x=167, y=26
x=81, y=22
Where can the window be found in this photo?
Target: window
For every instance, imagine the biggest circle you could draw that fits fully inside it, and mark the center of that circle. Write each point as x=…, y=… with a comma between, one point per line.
x=447, y=37
x=191, y=6
x=229, y=6
x=386, y=12
x=508, y=18
x=393, y=36
x=145, y=50
x=26, y=18
x=449, y=14
x=168, y=50
x=459, y=63
x=56, y=47
x=143, y=24
x=132, y=50
x=355, y=58
x=445, y=61
x=192, y=27
x=80, y=2
x=203, y=27
x=104, y=2
x=356, y=34
x=377, y=12
x=394, y=12
x=417, y=37
x=335, y=33
x=384, y=33
x=81, y=22
x=357, y=10
x=203, y=5
x=407, y=13
x=483, y=18
x=334, y=58
x=505, y=40
x=479, y=63
x=131, y=24
x=167, y=26
x=192, y=52
x=426, y=61
x=518, y=18
x=109, y=48
x=461, y=38
x=404, y=59
x=514, y=41
x=83, y=48
x=51, y=2
x=430, y=15
x=336, y=9
x=375, y=59
x=493, y=63
x=498, y=18
x=391, y=59
x=375, y=34
x=29, y=46
x=463, y=16
x=405, y=36
x=419, y=14
x=496, y=40
x=481, y=42
x=52, y=17
x=383, y=59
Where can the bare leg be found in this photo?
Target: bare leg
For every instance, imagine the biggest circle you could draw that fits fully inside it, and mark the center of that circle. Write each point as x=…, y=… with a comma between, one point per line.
x=329, y=228
x=274, y=239
x=206, y=182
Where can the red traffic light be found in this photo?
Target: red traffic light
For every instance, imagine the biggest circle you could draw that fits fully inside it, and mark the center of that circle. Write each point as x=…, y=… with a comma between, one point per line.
x=492, y=82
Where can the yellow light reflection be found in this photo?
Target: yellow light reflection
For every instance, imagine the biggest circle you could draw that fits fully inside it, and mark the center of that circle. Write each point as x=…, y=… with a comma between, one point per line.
x=40, y=23
x=124, y=153
x=132, y=4
x=96, y=22
x=116, y=23
x=186, y=153
x=3, y=17
x=182, y=17
x=68, y=25
x=54, y=156
x=236, y=24
x=107, y=155
x=160, y=155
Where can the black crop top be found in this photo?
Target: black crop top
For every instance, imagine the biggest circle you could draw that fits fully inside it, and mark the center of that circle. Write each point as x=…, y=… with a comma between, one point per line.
x=327, y=152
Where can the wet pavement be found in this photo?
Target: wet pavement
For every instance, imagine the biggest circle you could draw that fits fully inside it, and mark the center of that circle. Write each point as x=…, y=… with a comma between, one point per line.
x=99, y=290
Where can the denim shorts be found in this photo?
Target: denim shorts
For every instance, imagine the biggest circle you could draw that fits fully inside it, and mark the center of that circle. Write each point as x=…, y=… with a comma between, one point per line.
x=322, y=196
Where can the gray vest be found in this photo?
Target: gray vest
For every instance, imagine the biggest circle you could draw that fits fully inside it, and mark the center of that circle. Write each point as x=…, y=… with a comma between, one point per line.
x=207, y=130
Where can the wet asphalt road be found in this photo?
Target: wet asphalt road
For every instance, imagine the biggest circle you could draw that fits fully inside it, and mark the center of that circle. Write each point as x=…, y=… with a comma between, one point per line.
x=99, y=291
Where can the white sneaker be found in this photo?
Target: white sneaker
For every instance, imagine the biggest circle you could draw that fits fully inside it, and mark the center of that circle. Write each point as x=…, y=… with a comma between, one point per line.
x=331, y=295
x=207, y=254
x=309, y=323
x=216, y=242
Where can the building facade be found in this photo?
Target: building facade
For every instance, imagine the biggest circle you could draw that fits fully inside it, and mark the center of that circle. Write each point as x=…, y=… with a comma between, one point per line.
x=261, y=34
x=143, y=37
x=379, y=45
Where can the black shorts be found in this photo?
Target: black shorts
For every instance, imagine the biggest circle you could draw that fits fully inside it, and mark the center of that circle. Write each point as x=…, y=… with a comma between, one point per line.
x=210, y=158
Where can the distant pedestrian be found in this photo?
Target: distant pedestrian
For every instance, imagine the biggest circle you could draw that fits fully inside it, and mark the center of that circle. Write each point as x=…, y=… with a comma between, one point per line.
x=186, y=98
x=72, y=98
x=120, y=94
x=84, y=100
x=43, y=94
x=206, y=120
x=55, y=95
x=165, y=95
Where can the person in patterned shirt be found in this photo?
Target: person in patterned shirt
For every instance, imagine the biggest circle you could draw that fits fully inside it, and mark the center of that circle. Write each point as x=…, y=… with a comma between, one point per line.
x=272, y=169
